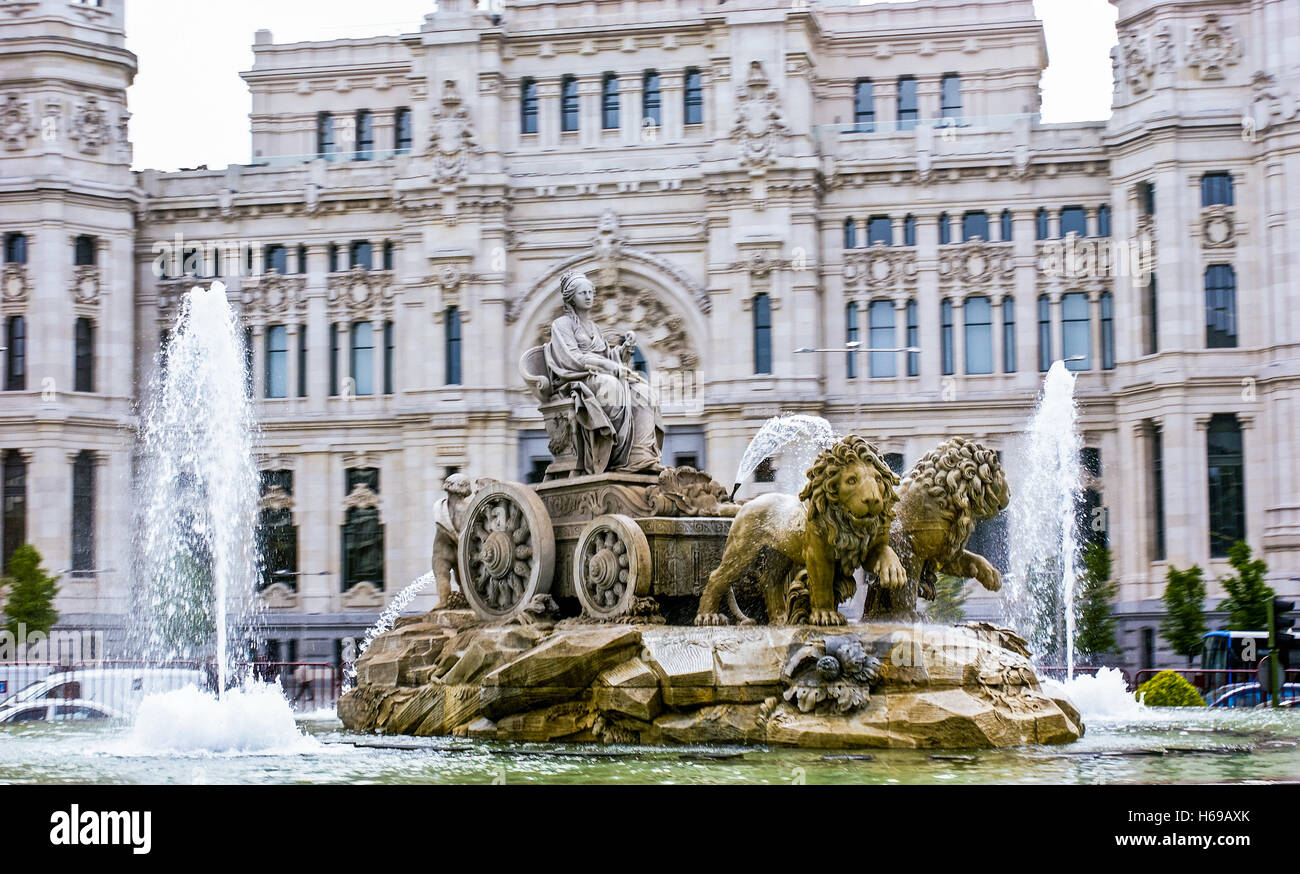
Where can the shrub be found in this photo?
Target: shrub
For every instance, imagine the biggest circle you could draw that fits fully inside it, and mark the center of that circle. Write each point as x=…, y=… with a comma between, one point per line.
x=1168, y=689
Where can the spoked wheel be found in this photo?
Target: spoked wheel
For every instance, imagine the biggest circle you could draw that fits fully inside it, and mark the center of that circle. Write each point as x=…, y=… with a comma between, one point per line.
x=507, y=551
x=611, y=566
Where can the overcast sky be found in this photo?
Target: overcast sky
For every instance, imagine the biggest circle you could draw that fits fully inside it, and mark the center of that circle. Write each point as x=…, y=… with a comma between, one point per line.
x=190, y=107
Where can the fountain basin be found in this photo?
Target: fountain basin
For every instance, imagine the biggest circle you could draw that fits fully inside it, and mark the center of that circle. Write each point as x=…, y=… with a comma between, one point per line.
x=445, y=673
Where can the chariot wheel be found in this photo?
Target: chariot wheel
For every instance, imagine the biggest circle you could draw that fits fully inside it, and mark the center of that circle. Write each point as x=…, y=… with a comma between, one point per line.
x=507, y=550
x=611, y=566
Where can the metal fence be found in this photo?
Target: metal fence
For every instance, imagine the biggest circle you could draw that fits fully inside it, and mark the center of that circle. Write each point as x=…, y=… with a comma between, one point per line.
x=1208, y=680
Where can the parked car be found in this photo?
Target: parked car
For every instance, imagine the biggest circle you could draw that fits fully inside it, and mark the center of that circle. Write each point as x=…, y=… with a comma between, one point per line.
x=1251, y=695
x=117, y=690
x=47, y=710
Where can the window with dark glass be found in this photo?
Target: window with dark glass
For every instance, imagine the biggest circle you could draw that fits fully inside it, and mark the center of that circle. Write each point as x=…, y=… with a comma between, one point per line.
x=913, y=339
x=1220, y=307
x=1076, y=331
x=388, y=254
x=1103, y=220
x=950, y=96
x=402, y=133
x=1008, y=335
x=945, y=336
x=83, y=356
x=363, y=358
x=332, y=256
x=83, y=251
x=275, y=258
x=1074, y=220
x=651, y=100
x=880, y=229
x=365, y=135
x=363, y=535
x=248, y=361
x=334, y=359
x=1107, y=331
x=83, y=511
x=850, y=233
x=15, y=503
x=569, y=104
x=864, y=107
x=277, y=535
x=359, y=254
x=1152, y=345
x=390, y=341
x=452, y=320
x=608, y=103
x=1227, y=483
x=884, y=361
x=945, y=229
x=302, y=258
x=851, y=337
x=1004, y=230
x=978, y=315
x=909, y=231
x=762, y=307
x=528, y=107
x=1216, y=189
x=324, y=133
x=1044, y=333
x=16, y=354
x=1041, y=230
x=15, y=248
x=302, y=361
x=907, y=103
x=1155, y=450
x=975, y=224
x=277, y=361
x=693, y=97
x=1147, y=198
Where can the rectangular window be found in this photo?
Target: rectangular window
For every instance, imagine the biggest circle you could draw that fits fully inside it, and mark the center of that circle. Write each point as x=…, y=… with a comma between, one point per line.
x=363, y=358
x=608, y=103
x=1041, y=229
x=907, y=103
x=909, y=231
x=389, y=349
x=84, y=355
x=569, y=104
x=913, y=340
x=864, y=107
x=850, y=233
x=83, y=251
x=324, y=133
x=1008, y=335
x=528, y=107
x=950, y=97
x=388, y=254
x=402, y=133
x=452, y=320
x=332, y=256
x=762, y=306
x=1152, y=326
x=1147, y=198
x=1216, y=189
x=1220, y=307
x=15, y=248
x=275, y=258
x=359, y=254
x=975, y=224
x=1004, y=232
x=334, y=359
x=651, y=100
x=1076, y=331
x=1103, y=220
x=15, y=504
x=1155, y=443
x=302, y=258
x=880, y=230
x=852, y=339
x=365, y=135
x=1107, y=331
x=1044, y=333
x=302, y=361
x=978, y=315
x=945, y=230
x=1074, y=220
x=277, y=361
x=16, y=354
x=881, y=338
x=1227, y=483
x=693, y=97
x=945, y=336
x=83, y=512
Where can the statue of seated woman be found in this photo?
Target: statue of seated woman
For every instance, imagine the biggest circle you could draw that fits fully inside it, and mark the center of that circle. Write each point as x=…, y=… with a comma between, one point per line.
x=617, y=420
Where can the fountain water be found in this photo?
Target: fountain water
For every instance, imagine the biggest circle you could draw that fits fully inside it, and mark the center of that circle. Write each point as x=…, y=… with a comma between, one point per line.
x=199, y=491
x=804, y=436
x=1043, y=533
x=385, y=622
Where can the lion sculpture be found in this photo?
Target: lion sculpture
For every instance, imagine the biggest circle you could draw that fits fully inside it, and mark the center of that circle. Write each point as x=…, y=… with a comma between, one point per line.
x=802, y=552
x=952, y=487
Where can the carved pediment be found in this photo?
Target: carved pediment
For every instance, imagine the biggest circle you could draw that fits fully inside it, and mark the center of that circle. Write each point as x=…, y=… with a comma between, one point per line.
x=278, y=596
x=363, y=596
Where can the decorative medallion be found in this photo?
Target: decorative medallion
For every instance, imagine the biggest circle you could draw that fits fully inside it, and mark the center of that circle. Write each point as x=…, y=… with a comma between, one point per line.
x=760, y=126
x=1218, y=228
x=90, y=125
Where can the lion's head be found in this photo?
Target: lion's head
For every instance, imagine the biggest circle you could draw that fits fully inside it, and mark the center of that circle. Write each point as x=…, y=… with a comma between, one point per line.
x=965, y=478
x=850, y=492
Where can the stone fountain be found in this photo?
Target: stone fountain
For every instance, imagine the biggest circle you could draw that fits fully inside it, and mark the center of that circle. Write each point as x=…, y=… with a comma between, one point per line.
x=597, y=597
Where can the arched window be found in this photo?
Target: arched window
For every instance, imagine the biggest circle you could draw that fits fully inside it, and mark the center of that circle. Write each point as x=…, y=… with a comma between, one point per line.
x=945, y=336
x=651, y=100
x=1076, y=331
x=880, y=229
x=913, y=339
x=1004, y=231
x=1107, y=331
x=1216, y=189
x=1044, y=333
x=363, y=358
x=1220, y=307
x=978, y=315
x=16, y=354
x=909, y=231
x=1040, y=224
x=1225, y=462
x=608, y=103
x=851, y=339
x=528, y=107
x=1008, y=335
x=83, y=511
x=451, y=319
x=883, y=363
x=1074, y=220
x=975, y=224
x=83, y=355
x=907, y=103
x=864, y=107
x=762, y=306
x=693, y=97
x=569, y=103
x=850, y=233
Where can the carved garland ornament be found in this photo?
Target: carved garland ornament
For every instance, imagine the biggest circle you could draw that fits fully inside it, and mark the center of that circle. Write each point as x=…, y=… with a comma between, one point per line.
x=880, y=266
x=976, y=262
x=275, y=295
x=359, y=291
x=86, y=284
x=1218, y=227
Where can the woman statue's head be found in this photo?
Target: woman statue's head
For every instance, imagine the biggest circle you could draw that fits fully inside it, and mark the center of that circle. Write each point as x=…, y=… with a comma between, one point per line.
x=577, y=291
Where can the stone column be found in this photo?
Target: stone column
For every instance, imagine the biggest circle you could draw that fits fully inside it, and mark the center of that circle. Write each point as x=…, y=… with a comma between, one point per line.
x=1026, y=289
x=1094, y=328
x=630, y=93
x=1057, y=338
x=900, y=333
x=291, y=341
x=672, y=109
x=591, y=110
x=958, y=334
x=377, y=356
x=884, y=96
x=548, y=112
x=998, y=329
x=927, y=300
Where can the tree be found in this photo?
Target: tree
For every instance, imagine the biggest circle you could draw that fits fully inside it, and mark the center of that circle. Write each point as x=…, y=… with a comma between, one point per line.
x=1184, y=622
x=1248, y=594
x=1095, y=630
x=31, y=593
x=949, y=604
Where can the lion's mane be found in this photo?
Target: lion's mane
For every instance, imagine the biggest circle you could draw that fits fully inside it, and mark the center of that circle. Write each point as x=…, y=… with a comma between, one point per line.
x=964, y=478
x=849, y=538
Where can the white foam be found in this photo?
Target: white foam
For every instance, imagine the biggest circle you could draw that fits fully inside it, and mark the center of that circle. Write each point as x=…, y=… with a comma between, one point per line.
x=256, y=719
x=1100, y=697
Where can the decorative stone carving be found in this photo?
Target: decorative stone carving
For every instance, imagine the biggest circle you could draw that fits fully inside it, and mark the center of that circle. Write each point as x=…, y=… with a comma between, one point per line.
x=361, y=497
x=274, y=295
x=90, y=126
x=16, y=125
x=360, y=291
x=977, y=262
x=1135, y=62
x=452, y=142
x=17, y=285
x=831, y=674
x=449, y=516
x=363, y=596
x=275, y=498
x=1166, y=50
x=1212, y=47
x=760, y=127
x=86, y=284
x=1218, y=227
x=658, y=328
x=685, y=491
x=278, y=596
x=880, y=266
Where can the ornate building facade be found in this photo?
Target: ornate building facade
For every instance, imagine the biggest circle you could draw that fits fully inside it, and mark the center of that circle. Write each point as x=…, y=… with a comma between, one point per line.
x=743, y=181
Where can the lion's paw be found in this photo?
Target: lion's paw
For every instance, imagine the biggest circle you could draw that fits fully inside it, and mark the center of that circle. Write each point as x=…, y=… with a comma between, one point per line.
x=826, y=617
x=711, y=619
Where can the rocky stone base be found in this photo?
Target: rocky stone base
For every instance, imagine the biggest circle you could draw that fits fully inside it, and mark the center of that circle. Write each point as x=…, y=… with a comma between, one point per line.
x=935, y=686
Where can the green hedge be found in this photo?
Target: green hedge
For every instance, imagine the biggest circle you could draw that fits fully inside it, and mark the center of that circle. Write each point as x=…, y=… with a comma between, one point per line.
x=1168, y=689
